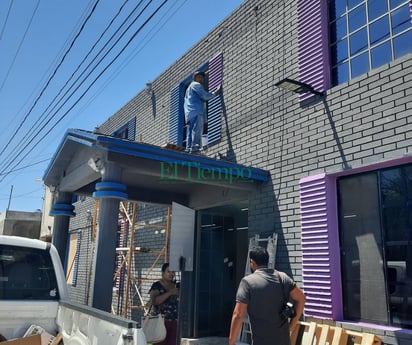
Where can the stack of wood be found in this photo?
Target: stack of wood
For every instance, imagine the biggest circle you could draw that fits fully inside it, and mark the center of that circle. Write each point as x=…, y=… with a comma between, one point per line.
x=320, y=334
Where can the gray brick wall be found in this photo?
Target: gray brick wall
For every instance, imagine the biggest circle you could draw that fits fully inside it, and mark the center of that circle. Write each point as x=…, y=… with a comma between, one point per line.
x=364, y=121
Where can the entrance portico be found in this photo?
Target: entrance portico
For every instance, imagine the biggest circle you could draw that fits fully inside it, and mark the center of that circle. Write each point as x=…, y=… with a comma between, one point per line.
x=112, y=169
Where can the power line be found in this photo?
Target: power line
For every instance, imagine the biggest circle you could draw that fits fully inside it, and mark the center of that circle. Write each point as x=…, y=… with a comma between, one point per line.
x=19, y=47
x=34, y=130
x=7, y=19
x=88, y=88
x=48, y=71
x=134, y=54
x=14, y=135
x=24, y=167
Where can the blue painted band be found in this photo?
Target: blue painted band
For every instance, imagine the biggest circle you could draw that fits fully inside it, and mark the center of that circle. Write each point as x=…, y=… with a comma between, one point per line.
x=109, y=194
x=61, y=213
x=63, y=207
x=107, y=185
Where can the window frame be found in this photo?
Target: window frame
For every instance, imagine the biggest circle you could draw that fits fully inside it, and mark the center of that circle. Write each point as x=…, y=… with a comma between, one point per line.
x=368, y=51
x=321, y=262
x=177, y=126
x=73, y=257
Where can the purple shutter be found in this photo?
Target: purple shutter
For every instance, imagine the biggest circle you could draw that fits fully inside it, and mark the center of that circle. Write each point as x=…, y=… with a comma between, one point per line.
x=215, y=109
x=320, y=247
x=313, y=44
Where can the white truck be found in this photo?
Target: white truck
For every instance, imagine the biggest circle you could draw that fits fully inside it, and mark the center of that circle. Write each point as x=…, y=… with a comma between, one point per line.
x=33, y=291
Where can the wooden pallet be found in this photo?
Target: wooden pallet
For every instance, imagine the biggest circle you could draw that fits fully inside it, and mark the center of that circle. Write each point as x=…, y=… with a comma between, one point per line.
x=319, y=334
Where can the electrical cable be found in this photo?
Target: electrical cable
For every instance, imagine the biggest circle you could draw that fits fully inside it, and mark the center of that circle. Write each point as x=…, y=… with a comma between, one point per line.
x=25, y=167
x=32, y=132
x=51, y=77
x=7, y=19
x=88, y=88
x=19, y=47
x=48, y=72
x=131, y=56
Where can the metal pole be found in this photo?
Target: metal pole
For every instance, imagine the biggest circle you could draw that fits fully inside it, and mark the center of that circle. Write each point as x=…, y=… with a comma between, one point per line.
x=11, y=193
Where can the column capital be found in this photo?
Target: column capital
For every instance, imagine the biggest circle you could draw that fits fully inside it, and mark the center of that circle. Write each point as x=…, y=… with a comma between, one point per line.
x=60, y=209
x=108, y=189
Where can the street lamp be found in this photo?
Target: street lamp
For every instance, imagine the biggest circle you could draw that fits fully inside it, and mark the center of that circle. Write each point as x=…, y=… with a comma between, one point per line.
x=297, y=87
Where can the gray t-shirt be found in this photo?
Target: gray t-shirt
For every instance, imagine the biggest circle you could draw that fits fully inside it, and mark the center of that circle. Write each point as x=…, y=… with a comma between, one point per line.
x=265, y=296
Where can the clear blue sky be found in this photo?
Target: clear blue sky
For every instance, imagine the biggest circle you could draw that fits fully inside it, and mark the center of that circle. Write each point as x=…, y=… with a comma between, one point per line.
x=38, y=56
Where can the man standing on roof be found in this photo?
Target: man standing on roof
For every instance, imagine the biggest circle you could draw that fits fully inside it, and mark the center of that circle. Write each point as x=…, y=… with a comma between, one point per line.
x=195, y=98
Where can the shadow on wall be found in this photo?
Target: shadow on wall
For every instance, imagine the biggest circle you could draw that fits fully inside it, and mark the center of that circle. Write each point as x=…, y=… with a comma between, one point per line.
x=230, y=153
x=264, y=219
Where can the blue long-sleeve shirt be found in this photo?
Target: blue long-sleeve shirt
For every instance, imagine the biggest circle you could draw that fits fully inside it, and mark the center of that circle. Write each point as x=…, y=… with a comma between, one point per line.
x=195, y=99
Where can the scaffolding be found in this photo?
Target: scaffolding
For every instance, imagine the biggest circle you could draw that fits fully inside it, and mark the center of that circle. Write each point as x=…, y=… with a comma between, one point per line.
x=128, y=284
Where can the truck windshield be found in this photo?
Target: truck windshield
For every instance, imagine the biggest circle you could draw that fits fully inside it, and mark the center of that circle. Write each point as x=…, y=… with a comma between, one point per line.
x=26, y=273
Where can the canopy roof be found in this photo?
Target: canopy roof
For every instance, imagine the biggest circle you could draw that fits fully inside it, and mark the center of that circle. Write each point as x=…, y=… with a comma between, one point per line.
x=150, y=173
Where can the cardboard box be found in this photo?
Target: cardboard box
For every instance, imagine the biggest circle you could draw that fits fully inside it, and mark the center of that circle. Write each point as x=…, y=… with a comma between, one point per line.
x=38, y=339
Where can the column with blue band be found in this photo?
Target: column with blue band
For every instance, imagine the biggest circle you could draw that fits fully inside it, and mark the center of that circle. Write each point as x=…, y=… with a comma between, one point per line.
x=60, y=209
x=113, y=190
x=110, y=192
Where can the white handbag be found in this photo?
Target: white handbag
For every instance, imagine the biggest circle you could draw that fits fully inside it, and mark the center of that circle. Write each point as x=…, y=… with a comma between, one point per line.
x=154, y=328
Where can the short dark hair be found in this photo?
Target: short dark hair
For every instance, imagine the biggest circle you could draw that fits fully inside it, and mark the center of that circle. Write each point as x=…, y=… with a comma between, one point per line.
x=198, y=73
x=165, y=266
x=259, y=255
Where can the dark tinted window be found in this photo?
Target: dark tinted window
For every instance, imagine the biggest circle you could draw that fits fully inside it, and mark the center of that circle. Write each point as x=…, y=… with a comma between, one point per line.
x=375, y=226
x=26, y=273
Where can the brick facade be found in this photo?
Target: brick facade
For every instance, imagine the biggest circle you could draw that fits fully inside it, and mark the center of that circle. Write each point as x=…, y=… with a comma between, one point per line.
x=359, y=123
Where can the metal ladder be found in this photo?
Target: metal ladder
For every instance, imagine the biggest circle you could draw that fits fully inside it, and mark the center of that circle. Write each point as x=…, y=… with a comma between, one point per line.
x=245, y=336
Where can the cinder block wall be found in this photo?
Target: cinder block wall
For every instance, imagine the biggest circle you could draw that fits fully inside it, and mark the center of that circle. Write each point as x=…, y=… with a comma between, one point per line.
x=359, y=122
x=363, y=121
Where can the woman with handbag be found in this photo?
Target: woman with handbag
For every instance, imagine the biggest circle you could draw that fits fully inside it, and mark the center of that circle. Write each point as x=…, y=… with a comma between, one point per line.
x=165, y=300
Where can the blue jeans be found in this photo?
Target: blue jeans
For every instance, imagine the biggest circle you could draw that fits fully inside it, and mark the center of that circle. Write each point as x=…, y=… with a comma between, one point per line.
x=194, y=132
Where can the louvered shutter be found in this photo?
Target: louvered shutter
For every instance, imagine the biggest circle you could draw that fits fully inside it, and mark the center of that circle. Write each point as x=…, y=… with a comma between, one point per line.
x=320, y=247
x=313, y=44
x=176, y=118
x=215, y=109
x=131, y=129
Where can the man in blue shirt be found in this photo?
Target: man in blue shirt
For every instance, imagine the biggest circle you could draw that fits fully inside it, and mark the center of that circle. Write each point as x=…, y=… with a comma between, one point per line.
x=195, y=116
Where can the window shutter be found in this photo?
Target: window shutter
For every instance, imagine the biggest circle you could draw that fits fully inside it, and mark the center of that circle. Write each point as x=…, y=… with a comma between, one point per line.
x=313, y=44
x=131, y=129
x=320, y=247
x=215, y=108
x=176, y=118
x=127, y=131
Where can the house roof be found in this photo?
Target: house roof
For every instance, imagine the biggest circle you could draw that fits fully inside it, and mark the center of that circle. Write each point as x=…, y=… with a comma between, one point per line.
x=150, y=173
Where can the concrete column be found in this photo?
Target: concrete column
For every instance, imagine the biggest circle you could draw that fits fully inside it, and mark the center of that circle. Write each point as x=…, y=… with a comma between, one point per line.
x=62, y=210
x=109, y=192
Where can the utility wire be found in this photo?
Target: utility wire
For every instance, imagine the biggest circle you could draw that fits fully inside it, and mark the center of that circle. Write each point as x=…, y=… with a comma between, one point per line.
x=7, y=19
x=34, y=130
x=19, y=47
x=25, y=167
x=48, y=72
x=88, y=88
x=50, y=79
x=131, y=56
x=134, y=54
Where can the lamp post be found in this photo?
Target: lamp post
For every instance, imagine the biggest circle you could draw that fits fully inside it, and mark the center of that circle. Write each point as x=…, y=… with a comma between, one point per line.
x=297, y=87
